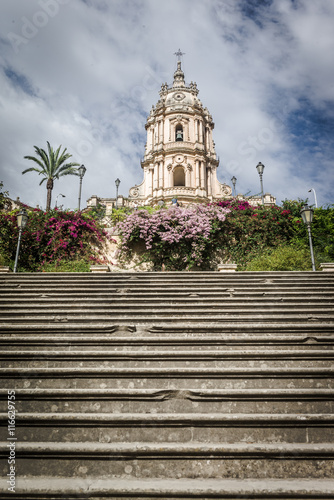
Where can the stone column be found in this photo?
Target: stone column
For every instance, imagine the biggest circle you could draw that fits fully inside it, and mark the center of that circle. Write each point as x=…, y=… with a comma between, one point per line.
x=161, y=174
x=209, y=181
x=202, y=175
x=201, y=131
x=169, y=178
x=155, y=176
x=161, y=123
x=196, y=130
x=197, y=174
x=152, y=138
x=150, y=181
x=169, y=130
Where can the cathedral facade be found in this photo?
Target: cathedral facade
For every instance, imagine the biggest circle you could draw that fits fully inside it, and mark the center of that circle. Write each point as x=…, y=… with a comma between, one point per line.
x=180, y=160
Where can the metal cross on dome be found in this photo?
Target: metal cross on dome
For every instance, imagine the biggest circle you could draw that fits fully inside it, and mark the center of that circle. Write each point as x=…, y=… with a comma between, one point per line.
x=179, y=54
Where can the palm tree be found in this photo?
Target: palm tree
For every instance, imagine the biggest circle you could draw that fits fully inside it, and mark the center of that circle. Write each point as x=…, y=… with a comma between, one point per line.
x=51, y=166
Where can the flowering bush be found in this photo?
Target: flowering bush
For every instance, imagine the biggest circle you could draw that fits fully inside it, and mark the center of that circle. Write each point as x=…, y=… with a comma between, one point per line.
x=249, y=230
x=176, y=238
x=52, y=237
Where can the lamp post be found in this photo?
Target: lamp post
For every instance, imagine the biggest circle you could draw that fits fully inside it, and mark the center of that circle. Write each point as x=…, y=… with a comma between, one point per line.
x=22, y=219
x=260, y=168
x=307, y=216
x=234, y=181
x=82, y=171
x=315, y=196
x=117, y=182
x=58, y=197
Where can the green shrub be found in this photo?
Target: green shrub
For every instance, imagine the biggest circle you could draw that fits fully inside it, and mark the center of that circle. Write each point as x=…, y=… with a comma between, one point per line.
x=282, y=258
x=70, y=266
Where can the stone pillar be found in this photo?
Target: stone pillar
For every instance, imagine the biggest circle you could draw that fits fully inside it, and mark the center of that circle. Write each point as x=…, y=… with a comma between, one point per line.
x=150, y=181
x=197, y=174
x=202, y=175
x=201, y=131
x=161, y=174
x=209, y=181
x=156, y=134
x=155, y=176
x=170, y=176
x=161, y=123
x=196, y=130
x=169, y=130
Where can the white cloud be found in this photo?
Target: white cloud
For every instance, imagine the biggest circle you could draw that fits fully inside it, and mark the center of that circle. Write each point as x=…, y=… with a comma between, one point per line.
x=94, y=70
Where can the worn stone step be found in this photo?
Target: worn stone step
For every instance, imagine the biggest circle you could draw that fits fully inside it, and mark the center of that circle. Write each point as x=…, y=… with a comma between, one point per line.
x=129, y=400
x=134, y=307
x=162, y=359
x=101, y=487
x=178, y=372
x=179, y=355
x=144, y=427
x=94, y=340
x=246, y=294
x=194, y=460
x=226, y=329
x=231, y=320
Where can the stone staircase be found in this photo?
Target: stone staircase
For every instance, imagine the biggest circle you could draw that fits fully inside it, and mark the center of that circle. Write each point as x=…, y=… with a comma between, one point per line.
x=168, y=385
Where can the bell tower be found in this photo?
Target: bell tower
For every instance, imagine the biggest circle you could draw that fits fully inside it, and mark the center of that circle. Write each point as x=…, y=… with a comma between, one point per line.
x=180, y=160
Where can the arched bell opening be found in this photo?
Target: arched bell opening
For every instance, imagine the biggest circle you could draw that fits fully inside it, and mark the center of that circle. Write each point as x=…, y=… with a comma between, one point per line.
x=179, y=133
x=179, y=177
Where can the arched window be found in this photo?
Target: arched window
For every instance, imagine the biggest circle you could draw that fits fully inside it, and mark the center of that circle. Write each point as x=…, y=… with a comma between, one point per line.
x=179, y=133
x=179, y=177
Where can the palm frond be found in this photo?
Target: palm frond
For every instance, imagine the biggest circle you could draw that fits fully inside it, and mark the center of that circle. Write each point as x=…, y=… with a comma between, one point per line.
x=35, y=160
x=31, y=169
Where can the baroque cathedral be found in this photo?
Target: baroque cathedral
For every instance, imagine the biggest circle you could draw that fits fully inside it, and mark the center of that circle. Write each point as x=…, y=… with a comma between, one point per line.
x=180, y=162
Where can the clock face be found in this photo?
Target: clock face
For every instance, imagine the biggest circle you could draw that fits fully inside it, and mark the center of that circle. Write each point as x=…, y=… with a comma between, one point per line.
x=179, y=96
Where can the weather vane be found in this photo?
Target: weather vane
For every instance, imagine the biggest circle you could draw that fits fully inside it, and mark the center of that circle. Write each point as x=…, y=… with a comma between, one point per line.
x=179, y=54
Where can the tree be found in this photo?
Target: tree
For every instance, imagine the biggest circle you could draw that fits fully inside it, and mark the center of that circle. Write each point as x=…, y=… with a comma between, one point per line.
x=3, y=197
x=51, y=167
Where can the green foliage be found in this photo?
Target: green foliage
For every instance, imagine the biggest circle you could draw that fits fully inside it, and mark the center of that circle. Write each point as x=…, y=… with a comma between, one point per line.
x=51, y=237
x=120, y=214
x=97, y=213
x=3, y=196
x=249, y=230
x=282, y=258
x=70, y=266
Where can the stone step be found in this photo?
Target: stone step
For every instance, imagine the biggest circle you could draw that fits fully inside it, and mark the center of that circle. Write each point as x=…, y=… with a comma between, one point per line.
x=189, y=373
x=134, y=308
x=93, y=340
x=126, y=488
x=194, y=460
x=246, y=294
x=135, y=400
x=226, y=329
x=178, y=355
x=159, y=317
x=144, y=427
x=164, y=359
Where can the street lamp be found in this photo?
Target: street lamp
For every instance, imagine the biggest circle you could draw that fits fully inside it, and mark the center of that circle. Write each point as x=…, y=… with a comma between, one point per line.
x=307, y=216
x=117, y=182
x=315, y=196
x=260, y=168
x=234, y=181
x=22, y=219
x=58, y=196
x=82, y=171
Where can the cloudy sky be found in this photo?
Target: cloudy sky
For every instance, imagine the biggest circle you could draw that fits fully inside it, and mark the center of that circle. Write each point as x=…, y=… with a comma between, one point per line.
x=85, y=73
